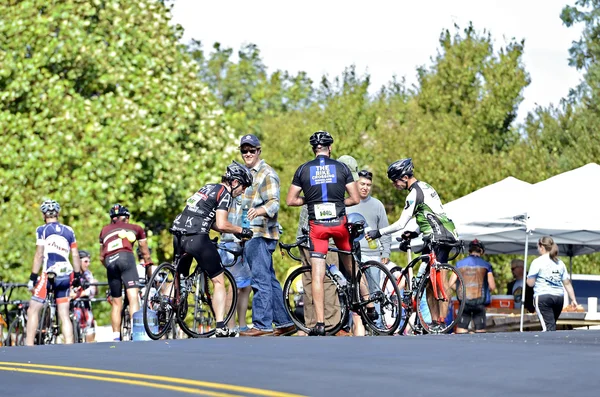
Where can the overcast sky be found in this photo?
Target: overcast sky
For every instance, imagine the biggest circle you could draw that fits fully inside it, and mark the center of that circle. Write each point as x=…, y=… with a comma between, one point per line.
x=385, y=38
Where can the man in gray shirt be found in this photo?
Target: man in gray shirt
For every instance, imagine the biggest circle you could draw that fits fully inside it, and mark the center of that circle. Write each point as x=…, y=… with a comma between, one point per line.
x=374, y=213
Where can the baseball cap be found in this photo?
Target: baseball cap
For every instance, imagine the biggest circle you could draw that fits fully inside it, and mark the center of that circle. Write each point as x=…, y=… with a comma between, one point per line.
x=351, y=163
x=250, y=139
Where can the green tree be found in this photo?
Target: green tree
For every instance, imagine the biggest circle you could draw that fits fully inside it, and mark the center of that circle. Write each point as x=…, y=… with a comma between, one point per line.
x=99, y=104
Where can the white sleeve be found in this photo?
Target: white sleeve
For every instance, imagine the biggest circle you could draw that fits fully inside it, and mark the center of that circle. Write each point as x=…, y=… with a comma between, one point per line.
x=565, y=275
x=405, y=217
x=534, y=269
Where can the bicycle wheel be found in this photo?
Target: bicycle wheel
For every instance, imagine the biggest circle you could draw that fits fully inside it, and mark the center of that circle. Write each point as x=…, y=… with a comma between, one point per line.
x=388, y=311
x=158, y=297
x=76, y=331
x=17, y=332
x=440, y=316
x=125, y=324
x=195, y=313
x=300, y=310
x=407, y=314
x=44, y=325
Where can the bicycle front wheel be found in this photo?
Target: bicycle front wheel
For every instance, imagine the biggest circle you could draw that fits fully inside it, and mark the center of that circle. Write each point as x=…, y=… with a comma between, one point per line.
x=196, y=311
x=384, y=299
x=406, y=313
x=17, y=333
x=297, y=298
x=439, y=316
x=158, y=299
x=44, y=326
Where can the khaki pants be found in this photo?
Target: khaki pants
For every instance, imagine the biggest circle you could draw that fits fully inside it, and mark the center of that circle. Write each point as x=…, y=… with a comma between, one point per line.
x=332, y=303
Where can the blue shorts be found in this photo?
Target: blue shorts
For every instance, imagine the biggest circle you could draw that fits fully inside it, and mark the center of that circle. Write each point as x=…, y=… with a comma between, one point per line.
x=240, y=270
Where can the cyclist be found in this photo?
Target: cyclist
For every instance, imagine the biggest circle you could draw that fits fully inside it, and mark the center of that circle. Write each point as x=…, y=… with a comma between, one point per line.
x=83, y=312
x=324, y=182
x=116, y=254
x=54, y=242
x=208, y=209
x=423, y=204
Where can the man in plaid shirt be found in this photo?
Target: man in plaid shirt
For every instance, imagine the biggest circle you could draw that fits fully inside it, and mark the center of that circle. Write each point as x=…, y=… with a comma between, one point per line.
x=261, y=201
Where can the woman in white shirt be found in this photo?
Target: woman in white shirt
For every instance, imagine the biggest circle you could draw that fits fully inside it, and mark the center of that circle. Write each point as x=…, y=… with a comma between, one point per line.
x=547, y=275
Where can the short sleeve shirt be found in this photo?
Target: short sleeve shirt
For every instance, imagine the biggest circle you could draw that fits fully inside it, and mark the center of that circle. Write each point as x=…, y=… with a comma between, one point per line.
x=120, y=237
x=201, y=208
x=549, y=276
x=57, y=240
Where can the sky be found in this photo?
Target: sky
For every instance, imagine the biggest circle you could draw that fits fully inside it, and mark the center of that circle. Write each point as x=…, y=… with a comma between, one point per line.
x=386, y=38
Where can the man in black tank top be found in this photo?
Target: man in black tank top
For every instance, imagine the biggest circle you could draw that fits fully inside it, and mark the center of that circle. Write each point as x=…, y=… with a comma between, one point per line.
x=324, y=182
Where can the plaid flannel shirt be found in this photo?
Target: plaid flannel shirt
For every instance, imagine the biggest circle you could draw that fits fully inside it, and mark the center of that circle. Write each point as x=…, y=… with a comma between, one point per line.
x=264, y=192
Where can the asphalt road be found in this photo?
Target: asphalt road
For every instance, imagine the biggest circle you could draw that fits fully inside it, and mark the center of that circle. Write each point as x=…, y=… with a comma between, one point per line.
x=502, y=364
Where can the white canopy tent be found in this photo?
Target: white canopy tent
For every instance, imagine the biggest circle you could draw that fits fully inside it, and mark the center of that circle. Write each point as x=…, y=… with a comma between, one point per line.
x=511, y=215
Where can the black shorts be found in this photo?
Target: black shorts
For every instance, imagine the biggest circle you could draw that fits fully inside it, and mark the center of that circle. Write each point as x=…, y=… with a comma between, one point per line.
x=121, y=270
x=475, y=312
x=201, y=248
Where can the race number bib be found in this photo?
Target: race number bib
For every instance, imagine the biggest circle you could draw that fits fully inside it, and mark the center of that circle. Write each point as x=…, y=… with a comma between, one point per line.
x=60, y=268
x=325, y=211
x=114, y=245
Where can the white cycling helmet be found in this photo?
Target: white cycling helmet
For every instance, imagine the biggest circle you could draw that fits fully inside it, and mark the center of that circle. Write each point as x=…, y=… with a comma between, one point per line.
x=50, y=206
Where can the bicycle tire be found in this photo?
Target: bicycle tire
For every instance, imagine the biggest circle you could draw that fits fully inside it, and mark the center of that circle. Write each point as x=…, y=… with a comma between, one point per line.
x=383, y=297
x=20, y=331
x=159, y=299
x=406, y=311
x=44, y=325
x=296, y=310
x=76, y=331
x=201, y=322
x=459, y=294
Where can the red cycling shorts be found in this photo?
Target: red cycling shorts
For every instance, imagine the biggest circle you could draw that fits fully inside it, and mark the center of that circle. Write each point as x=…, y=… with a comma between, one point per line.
x=321, y=232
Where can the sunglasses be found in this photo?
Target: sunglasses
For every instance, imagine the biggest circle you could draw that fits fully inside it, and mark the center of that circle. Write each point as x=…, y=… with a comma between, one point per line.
x=251, y=151
x=365, y=174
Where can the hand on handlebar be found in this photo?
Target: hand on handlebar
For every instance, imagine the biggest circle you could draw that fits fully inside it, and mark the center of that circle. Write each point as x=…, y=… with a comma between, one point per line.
x=245, y=234
x=408, y=235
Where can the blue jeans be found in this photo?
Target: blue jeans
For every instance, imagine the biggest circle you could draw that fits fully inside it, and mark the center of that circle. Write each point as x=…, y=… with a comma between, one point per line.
x=267, y=304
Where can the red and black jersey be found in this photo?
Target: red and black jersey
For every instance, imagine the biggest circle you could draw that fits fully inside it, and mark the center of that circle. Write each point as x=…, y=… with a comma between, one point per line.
x=120, y=237
x=323, y=181
x=199, y=214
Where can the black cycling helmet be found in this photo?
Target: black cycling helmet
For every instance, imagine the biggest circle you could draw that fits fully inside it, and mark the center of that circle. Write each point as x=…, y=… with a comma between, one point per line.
x=84, y=254
x=118, y=210
x=240, y=173
x=400, y=168
x=476, y=245
x=322, y=138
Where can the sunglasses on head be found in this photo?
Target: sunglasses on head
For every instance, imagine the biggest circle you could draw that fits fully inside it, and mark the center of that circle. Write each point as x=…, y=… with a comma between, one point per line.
x=365, y=174
x=245, y=151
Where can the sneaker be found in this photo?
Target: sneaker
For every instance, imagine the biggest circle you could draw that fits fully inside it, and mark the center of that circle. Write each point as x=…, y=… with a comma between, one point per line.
x=244, y=328
x=225, y=333
x=318, y=330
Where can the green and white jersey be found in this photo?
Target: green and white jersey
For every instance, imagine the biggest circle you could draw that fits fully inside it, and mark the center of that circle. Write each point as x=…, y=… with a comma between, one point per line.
x=424, y=204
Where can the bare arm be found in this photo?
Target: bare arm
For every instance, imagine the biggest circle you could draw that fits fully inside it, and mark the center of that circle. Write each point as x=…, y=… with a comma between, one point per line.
x=102, y=255
x=76, y=260
x=354, y=198
x=38, y=258
x=491, y=281
x=570, y=291
x=293, y=198
x=531, y=281
x=145, y=252
x=222, y=225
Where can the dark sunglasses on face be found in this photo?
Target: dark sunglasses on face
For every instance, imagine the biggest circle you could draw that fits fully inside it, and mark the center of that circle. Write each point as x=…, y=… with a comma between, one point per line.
x=245, y=151
x=365, y=174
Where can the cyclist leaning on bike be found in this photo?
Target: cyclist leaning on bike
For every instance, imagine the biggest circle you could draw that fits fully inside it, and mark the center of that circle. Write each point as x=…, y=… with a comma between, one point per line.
x=116, y=254
x=208, y=209
x=324, y=182
x=424, y=204
x=54, y=242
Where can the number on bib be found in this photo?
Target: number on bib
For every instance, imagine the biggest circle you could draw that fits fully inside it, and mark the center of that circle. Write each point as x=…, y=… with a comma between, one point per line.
x=325, y=211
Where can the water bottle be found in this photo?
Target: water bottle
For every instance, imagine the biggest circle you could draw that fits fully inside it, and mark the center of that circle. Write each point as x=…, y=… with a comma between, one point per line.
x=245, y=221
x=372, y=243
x=138, y=331
x=337, y=275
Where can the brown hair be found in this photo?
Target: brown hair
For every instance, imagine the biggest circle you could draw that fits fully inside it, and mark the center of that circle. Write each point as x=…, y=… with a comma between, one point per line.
x=550, y=246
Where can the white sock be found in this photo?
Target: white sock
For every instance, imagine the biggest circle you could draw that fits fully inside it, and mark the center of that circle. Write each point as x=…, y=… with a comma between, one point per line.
x=116, y=335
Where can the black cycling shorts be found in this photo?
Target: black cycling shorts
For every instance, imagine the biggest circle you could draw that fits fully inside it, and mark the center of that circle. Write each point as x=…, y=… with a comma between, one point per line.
x=121, y=270
x=201, y=248
x=475, y=312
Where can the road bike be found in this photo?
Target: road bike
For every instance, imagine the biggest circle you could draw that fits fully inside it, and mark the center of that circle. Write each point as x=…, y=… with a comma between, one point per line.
x=187, y=299
x=359, y=294
x=16, y=318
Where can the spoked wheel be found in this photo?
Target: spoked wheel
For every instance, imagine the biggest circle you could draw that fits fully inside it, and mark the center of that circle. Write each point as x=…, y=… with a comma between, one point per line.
x=407, y=315
x=125, y=325
x=196, y=312
x=440, y=316
x=297, y=297
x=385, y=318
x=77, y=337
x=158, y=307
x=44, y=326
x=17, y=332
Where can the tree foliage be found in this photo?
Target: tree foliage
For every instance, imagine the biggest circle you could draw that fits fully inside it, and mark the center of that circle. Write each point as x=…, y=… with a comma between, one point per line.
x=99, y=104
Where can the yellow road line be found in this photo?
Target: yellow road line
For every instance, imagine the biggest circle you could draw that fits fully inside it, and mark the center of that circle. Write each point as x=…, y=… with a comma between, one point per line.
x=189, y=382
x=125, y=381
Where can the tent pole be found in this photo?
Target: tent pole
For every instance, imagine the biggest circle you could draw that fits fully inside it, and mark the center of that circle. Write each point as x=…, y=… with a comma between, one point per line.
x=524, y=288
x=571, y=266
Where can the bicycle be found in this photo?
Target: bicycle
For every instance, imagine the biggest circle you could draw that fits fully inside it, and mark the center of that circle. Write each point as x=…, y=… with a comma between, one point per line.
x=17, y=330
x=47, y=331
x=172, y=295
x=350, y=298
x=436, y=282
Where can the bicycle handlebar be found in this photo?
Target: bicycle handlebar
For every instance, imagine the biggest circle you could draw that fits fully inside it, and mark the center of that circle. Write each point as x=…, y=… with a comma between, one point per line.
x=288, y=247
